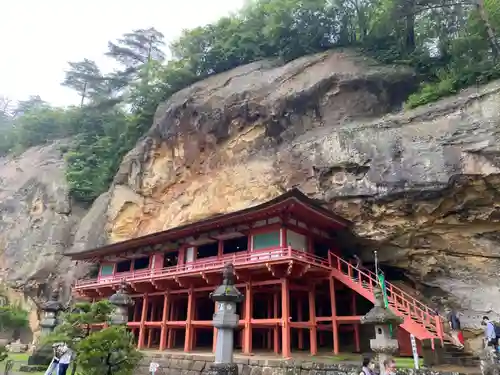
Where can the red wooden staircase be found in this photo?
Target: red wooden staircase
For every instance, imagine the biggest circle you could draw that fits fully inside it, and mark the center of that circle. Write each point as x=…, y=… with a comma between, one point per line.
x=419, y=319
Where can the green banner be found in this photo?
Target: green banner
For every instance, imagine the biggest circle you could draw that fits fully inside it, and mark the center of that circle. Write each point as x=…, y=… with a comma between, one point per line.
x=381, y=280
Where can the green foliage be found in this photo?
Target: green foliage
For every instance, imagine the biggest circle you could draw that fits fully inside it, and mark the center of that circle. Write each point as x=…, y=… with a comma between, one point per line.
x=3, y=353
x=76, y=324
x=452, y=44
x=13, y=317
x=108, y=351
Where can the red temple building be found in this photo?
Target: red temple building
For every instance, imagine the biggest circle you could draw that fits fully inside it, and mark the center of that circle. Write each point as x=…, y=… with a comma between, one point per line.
x=301, y=295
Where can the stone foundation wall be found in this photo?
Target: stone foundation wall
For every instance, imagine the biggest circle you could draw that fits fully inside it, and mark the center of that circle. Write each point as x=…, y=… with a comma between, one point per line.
x=198, y=364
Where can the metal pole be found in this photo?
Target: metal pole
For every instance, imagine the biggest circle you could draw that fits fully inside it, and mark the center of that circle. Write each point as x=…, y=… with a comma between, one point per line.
x=376, y=262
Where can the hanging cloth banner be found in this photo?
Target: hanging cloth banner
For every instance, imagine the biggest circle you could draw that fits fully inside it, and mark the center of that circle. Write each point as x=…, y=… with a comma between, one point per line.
x=381, y=280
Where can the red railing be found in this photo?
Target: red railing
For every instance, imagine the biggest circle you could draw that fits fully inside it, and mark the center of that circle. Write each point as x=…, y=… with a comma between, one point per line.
x=203, y=265
x=398, y=299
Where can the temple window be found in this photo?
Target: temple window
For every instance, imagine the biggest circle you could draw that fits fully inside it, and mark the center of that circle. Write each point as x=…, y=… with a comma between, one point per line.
x=141, y=263
x=207, y=250
x=266, y=240
x=123, y=266
x=235, y=245
x=296, y=241
x=171, y=259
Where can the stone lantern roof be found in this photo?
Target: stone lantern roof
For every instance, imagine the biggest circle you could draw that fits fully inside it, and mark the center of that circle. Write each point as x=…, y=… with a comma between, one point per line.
x=121, y=298
x=53, y=304
x=227, y=292
x=379, y=314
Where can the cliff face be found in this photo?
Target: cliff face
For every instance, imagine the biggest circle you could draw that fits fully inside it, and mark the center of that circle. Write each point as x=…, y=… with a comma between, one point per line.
x=421, y=186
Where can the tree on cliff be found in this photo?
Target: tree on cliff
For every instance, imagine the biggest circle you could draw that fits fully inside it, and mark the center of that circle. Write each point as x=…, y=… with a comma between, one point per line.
x=452, y=44
x=86, y=79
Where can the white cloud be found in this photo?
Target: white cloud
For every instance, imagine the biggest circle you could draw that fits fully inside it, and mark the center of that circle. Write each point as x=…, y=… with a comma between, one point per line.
x=40, y=37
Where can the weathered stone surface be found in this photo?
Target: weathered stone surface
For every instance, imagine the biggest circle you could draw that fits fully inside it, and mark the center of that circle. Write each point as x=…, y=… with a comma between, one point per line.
x=37, y=223
x=421, y=186
x=277, y=368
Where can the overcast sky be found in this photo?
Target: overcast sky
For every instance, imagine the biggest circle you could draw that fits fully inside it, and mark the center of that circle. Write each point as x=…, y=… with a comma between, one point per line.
x=40, y=37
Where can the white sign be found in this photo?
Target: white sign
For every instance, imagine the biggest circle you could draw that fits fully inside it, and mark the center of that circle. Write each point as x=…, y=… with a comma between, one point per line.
x=414, y=351
x=153, y=367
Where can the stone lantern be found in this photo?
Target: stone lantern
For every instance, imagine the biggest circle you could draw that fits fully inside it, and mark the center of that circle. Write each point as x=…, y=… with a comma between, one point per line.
x=121, y=301
x=50, y=311
x=226, y=296
x=382, y=318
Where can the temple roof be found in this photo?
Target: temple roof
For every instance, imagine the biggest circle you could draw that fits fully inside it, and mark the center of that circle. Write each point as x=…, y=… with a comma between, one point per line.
x=293, y=201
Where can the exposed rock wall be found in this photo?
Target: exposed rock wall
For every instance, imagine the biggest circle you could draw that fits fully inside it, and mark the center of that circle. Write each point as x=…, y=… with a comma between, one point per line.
x=421, y=186
x=37, y=224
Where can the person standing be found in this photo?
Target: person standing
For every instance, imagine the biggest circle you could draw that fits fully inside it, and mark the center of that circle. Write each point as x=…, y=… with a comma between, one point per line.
x=368, y=367
x=390, y=367
x=490, y=335
x=55, y=360
x=65, y=360
x=454, y=323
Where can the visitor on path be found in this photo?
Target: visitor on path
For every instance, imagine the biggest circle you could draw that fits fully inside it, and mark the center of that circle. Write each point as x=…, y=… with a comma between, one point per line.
x=490, y=333
x=454, y=323
x=390, y=367
x=52, y=369
x=65, y=360
x=368, y=367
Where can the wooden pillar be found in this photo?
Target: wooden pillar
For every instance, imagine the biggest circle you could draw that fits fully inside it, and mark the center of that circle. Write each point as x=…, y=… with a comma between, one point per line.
x=313, y=331
x=356, y=325
x=152, y=319
x=247, y=333
x=220, y=249
x=300, y=317
x=142, y=329
x=173, y=317
x=285, y=317
x=189, y=329
x=136, y=312
x=164, y=320
x=269, y=316
x=276, y=328
x=334, y=317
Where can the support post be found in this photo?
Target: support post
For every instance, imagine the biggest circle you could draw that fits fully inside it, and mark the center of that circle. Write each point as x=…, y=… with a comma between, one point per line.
x=356, y=325
x=285, y=318
x=270, y=316
x=334, y=316
x=300, y=317
x=164, y=320
x=189, y=329
x=313, y=331
x=142, y=329
x=276, y=328
x=152, y=318
x=247, y=340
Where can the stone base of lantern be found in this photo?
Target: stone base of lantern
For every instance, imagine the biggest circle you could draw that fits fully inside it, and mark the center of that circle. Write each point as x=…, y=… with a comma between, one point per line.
x=223, y=369
x=384, y=345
